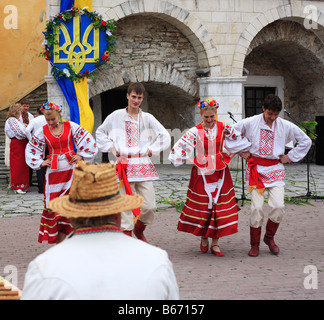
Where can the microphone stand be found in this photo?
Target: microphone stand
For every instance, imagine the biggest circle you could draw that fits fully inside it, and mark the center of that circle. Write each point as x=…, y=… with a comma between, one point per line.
x=309, y=193
x=243, y=192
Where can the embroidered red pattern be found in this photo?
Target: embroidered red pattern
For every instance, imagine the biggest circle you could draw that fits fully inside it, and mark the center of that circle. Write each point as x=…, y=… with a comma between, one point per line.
x=89, y=230
x=269, y=177
x=266, y=142
x=141, y=171
x=273, y=176
x=132, y=134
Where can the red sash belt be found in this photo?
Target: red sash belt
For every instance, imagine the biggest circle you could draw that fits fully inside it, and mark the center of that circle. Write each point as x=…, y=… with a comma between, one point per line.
x=255, y=180
x=121, y=167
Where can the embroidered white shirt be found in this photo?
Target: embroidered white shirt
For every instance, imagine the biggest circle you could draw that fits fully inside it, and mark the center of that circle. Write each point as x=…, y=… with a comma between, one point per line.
x=270, y=143
x=133, y=139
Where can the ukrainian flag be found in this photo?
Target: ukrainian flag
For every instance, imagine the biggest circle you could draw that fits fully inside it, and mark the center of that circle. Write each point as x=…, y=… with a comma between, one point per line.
x=76, y=93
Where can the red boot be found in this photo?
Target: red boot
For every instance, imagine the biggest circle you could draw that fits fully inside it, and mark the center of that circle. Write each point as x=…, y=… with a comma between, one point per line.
x=271, y=230
x=128, y=232
x=255, y=234
x=138, y=230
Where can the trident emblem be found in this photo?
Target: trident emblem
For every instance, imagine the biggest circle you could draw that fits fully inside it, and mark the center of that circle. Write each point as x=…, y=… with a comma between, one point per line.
x=77, y=53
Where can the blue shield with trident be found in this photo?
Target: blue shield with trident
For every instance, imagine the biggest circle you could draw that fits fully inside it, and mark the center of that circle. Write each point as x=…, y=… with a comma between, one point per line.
x=79, y=44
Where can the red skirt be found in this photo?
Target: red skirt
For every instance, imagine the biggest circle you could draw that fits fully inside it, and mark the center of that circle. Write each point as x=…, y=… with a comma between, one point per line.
x=19, y=170
x=51, y=224
x=196, y=218
x=57, y=183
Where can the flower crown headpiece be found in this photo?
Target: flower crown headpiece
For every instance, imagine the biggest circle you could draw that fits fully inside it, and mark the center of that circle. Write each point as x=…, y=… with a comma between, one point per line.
x=51, y=106
x=208, y=102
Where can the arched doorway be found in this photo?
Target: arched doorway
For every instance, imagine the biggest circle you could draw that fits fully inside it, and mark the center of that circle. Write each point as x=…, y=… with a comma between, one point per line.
x=287, y=49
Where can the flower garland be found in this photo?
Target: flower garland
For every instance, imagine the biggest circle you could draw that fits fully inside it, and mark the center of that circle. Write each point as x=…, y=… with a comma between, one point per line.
x=51, y=106
x=208, y=102
x=53, y=29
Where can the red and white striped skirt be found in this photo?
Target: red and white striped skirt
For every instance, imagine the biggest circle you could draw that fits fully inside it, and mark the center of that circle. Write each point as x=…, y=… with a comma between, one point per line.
x=57, y=184
x=196, y=218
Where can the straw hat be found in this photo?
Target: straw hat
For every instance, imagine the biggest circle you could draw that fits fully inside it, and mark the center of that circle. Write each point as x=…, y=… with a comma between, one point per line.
x=94, y=192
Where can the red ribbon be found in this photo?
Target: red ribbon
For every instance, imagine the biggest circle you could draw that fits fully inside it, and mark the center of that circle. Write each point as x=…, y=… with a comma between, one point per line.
x=121, y=167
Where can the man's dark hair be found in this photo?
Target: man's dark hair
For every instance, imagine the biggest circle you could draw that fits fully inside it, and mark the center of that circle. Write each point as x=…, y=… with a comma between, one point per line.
x=137, y=87
x=272, y=102
x=24, y=101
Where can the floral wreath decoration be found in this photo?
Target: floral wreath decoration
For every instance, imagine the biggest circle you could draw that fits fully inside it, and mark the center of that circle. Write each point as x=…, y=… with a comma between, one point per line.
x=53, y=29
x=208, y=102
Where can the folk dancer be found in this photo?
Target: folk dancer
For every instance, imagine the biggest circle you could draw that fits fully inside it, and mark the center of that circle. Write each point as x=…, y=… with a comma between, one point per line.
x=269, y=135
x=58, y=135
x=133, y=136
x=210, y=210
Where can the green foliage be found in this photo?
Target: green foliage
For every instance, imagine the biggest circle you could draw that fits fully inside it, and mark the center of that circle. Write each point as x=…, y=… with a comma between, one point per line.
x=175, y=203
x=311, y=125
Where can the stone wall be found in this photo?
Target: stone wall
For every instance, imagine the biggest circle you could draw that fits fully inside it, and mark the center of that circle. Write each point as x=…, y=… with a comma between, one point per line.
x=155, y=52
x=221, y=34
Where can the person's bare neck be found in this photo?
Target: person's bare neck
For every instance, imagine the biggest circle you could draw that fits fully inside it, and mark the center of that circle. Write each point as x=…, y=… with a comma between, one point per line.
x=133, y=112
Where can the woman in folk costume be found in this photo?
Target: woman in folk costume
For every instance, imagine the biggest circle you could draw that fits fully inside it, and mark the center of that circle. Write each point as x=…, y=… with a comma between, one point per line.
x=59, y=136
x=16, y=132
x=210, y=210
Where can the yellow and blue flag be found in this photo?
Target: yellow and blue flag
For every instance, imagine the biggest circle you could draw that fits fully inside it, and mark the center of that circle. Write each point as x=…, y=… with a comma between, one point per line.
x=76, y=92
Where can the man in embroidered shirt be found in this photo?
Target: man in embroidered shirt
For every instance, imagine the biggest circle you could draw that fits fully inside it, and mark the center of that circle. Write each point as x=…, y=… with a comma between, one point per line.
x=269, y=135
x=133, y=136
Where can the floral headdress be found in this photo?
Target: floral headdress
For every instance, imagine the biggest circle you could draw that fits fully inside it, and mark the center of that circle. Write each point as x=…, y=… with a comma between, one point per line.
x=52, y=106
x=208, y=102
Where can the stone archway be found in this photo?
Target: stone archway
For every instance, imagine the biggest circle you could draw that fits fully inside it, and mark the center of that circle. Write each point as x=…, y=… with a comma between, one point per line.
x=287, y=49
x=183, y=20
x=153, y=51
x=293, y=11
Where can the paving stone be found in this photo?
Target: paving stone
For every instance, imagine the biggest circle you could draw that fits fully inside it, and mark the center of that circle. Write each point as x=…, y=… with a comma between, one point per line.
x=201, y=276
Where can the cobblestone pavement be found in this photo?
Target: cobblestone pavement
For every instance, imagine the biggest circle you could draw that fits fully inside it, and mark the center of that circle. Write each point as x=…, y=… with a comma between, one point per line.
x=201, y=276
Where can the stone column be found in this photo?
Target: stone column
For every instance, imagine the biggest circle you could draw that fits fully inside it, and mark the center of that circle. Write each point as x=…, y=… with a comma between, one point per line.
x=55, y=94
x=228, y=92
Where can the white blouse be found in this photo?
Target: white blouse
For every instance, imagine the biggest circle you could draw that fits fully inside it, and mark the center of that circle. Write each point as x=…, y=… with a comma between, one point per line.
x=83, y=140
x=15, y=129
x=184, y=148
